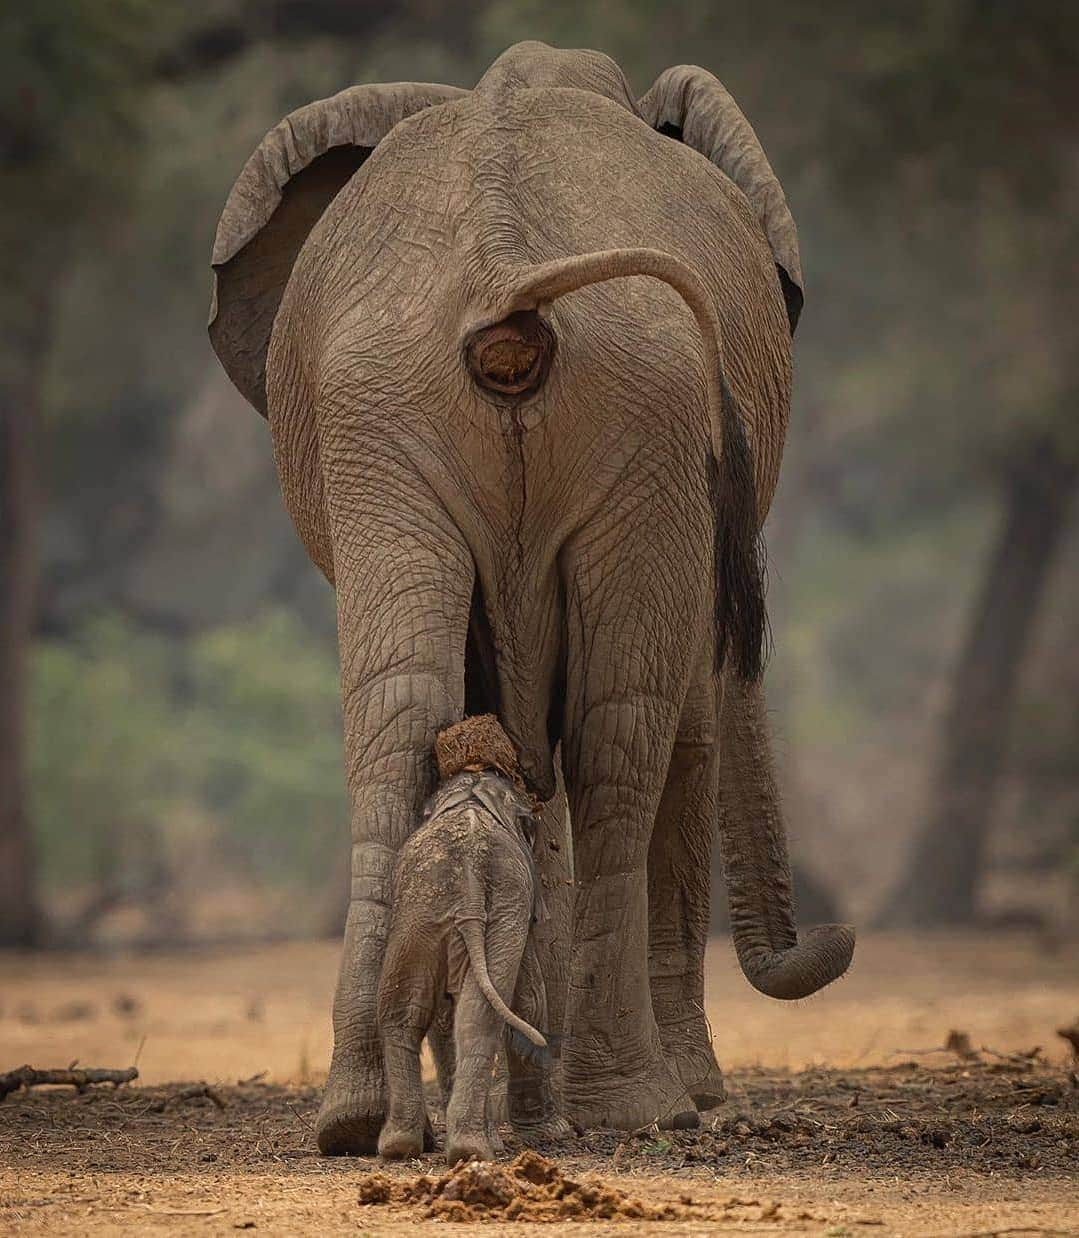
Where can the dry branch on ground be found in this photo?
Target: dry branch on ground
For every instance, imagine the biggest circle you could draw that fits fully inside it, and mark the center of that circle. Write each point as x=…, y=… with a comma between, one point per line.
x=79, y=1078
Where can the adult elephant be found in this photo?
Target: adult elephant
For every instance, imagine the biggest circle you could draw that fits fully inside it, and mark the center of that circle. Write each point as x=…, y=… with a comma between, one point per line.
x=525, y=355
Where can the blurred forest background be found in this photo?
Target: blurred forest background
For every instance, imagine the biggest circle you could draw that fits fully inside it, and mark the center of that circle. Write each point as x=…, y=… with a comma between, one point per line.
x=170, y=748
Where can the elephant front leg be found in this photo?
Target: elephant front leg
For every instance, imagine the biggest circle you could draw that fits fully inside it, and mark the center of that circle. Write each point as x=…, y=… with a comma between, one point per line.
x=402, y=612
x=679, y=879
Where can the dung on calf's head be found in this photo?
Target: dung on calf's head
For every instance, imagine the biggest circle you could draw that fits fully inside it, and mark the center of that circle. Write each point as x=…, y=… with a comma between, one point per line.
x=476, y=744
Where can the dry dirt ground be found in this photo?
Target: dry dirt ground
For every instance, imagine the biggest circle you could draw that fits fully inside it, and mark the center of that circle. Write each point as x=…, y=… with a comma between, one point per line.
x=841, y=1120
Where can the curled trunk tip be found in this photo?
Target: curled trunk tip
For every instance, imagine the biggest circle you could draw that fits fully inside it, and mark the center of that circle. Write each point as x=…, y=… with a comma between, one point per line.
x=823, y=955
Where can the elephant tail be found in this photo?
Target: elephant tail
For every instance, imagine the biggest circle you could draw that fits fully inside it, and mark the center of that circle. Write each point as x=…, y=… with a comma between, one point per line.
x=511, y=353
x=472, y=934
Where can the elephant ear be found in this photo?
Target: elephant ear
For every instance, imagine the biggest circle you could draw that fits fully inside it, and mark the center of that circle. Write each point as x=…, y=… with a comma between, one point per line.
x=293, y=176
x=689, y=104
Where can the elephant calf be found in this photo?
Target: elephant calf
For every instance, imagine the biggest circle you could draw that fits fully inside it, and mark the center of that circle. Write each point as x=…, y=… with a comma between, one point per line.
x=465, y=896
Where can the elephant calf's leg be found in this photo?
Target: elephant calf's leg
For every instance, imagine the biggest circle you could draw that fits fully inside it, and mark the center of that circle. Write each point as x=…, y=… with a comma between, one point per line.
x=440, y=1040
x=405, y=1133
x=477, y=1035
x=406, y=1004
x=679, y=878
x=533, y=1106
x=472, y=1114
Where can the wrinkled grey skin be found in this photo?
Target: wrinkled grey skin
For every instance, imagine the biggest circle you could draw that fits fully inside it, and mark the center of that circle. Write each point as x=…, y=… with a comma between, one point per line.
x=576, y=560
x=464, y=898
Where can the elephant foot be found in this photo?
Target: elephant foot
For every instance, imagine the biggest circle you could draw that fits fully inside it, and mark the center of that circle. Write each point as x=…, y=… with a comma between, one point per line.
x=542, y=1133
x=652, y=1096
x=687, y=1046
x=469, y=1146
x=401, y=1142
x=353, y=1108
x=398, y=1143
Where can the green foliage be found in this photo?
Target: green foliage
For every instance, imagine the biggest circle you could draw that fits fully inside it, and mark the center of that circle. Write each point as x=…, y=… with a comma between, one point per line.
x=68, y=62
x=227, y=744
x=71, y=73
x=102, y=756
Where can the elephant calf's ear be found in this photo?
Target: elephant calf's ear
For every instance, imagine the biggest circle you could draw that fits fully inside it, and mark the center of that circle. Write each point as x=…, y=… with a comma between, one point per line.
x=689, y=104
x=286, y=185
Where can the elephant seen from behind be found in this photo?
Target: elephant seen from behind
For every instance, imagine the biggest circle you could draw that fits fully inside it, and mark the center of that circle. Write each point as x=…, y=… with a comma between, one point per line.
x=525, y=353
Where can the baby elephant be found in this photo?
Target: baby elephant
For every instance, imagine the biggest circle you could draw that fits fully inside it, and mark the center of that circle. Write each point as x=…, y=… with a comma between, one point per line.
x=465, y=896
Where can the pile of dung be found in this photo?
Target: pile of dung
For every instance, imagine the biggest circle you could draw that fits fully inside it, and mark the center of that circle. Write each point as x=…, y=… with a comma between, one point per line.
x=476, y=743
x=531, y=1188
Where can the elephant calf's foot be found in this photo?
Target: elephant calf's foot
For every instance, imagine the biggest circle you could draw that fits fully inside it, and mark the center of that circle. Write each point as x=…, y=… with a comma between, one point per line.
x=652, y=1096
x=353, y=1108
x=687, y=1046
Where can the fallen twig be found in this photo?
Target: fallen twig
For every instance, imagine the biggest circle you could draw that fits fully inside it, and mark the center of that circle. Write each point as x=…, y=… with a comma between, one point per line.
x=197, y=1091
x=1029, y=1058
x=81, y=1079
x=957, y=1043
x=299, y=1115
x=179, y=1212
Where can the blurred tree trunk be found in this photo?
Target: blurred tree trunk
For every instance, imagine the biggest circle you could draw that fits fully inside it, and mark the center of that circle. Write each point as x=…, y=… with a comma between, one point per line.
x=21, y=373
x=941, y=883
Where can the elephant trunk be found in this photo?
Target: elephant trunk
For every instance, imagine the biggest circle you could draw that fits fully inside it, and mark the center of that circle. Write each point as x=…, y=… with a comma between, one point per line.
x=753, y=844
x=511, y=352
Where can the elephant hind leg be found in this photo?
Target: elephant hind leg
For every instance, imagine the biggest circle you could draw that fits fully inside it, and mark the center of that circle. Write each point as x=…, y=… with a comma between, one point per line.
x=533, y=1106
x=477, y=1032
x=440, y=1040
x=679, y=877
x=471, y=1129
x=405, y=1133
x=403, y=587
x=406, y=1007
x=615, y=1072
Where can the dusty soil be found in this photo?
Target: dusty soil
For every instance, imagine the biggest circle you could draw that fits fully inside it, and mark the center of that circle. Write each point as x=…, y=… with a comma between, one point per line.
x=841, y=1118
